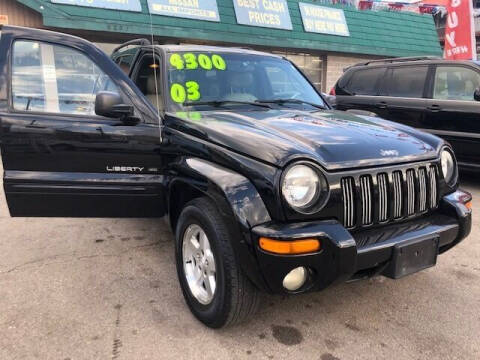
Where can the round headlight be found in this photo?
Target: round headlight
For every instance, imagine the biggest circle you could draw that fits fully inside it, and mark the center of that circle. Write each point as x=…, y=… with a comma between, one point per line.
x=301, y=186
x=448, y=166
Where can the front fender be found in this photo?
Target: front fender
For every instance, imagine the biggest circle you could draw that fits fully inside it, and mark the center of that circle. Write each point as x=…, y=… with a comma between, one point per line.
x=238, y=201
x=244, y=199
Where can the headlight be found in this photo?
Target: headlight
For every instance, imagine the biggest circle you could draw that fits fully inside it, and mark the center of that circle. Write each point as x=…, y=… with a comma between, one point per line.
x=302, y=187
x=448, y=166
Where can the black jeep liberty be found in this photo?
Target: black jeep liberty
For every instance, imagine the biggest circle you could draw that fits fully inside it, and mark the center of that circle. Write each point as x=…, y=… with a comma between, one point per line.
x=265, y=187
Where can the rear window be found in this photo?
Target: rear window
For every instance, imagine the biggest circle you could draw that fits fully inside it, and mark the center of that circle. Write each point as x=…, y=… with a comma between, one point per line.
x=364, y=82
x=407, y=81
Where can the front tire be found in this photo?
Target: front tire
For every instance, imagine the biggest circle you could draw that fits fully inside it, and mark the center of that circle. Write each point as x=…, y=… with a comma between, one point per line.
x=213, y=284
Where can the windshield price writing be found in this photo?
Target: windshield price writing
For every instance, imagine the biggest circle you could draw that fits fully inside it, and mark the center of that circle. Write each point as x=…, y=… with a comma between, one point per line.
x=192, y=61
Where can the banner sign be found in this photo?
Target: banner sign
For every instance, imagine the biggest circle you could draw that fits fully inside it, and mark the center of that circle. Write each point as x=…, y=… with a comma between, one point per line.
x=263, y=13
x=125, y=5
x=323, y=20
x=460, y=31
x=190, y=9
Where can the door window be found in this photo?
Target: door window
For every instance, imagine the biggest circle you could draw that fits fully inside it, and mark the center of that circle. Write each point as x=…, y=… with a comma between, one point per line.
x=124, y=62
x=455, y=83
x=408, y=81
x=364, y=82
x=55, y=79
x=149, y=81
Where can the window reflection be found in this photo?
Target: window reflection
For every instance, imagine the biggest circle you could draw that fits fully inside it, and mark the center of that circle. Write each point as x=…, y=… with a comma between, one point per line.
x=51, y=78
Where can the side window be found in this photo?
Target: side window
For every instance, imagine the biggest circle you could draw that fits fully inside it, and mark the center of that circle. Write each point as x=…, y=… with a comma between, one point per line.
x=408, y=81
x=55, y=79
x=455, y=83
x=364, y=82
x=146, y=81
x=124, y=62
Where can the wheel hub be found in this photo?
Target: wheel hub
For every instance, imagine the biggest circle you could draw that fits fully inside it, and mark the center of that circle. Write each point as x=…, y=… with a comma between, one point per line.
x=199, y=264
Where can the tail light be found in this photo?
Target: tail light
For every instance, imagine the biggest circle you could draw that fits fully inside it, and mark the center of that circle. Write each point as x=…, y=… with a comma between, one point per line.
x=332, y=92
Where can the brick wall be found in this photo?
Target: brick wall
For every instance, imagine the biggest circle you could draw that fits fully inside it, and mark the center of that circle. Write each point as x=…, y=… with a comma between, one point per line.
x=19, y=14
x=336, y=64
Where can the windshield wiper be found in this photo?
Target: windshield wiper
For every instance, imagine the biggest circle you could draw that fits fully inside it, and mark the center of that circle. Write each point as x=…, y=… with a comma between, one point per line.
x=218, y=103
x=292, y=101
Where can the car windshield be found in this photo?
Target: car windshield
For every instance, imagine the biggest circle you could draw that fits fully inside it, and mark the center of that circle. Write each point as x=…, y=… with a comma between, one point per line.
x=202, y=80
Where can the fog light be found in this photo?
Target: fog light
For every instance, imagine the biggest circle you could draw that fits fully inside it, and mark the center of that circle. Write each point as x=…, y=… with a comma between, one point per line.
x=295, y=279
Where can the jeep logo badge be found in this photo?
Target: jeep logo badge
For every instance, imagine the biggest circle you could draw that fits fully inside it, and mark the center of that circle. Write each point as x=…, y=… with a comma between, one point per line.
x=389, y=152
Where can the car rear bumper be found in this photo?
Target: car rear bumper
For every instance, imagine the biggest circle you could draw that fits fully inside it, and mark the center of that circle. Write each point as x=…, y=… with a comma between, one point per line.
x=348, y=255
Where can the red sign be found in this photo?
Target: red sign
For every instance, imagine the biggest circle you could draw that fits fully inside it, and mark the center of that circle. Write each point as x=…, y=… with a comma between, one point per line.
x=460, y=31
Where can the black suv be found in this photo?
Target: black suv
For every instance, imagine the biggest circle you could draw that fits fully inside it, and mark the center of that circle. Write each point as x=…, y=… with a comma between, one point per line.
x=434, y=95
x=265, y=187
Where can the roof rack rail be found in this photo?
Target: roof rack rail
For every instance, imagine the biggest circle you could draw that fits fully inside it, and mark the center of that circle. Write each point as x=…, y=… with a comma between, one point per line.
x=399, y=59
x=141, y=42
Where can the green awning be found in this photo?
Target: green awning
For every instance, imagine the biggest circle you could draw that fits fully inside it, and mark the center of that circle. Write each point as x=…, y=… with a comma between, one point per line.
x=382, y=33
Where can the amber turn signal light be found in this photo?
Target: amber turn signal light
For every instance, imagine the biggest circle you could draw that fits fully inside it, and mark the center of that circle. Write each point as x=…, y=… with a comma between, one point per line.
x=289, y=247
x=469, y=205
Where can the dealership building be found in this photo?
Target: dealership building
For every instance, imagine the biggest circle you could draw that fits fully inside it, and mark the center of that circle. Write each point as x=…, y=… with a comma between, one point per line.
x=319, y=37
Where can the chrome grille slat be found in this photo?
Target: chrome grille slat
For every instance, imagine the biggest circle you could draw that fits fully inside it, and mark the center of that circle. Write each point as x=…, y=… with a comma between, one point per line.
x=432, y=175
x=397, y=194
x=367, y=196
x=410, y=192
x=348, y=202
x=382, y=197
x=422, y=186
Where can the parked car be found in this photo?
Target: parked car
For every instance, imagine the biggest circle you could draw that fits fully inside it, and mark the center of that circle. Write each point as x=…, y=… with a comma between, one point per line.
x=265, y=187
x=434, y=95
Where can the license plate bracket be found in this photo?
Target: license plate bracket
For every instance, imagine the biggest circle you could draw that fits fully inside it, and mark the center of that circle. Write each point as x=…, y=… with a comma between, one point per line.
x=412, y=256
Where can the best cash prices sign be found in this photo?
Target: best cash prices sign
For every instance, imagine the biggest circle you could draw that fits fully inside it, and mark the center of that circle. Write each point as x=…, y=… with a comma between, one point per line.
x=460, y=31
x=263, y=13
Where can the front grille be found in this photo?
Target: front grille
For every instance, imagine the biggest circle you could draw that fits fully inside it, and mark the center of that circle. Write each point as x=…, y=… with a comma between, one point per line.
x=383, y=197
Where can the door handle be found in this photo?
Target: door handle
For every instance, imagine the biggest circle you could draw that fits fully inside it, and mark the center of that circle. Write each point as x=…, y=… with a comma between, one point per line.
x=381, y=105
x=434, y=108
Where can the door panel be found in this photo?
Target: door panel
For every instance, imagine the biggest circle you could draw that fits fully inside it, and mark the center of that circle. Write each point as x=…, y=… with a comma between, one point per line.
x=59, y=157
x=359, y=102
x=453, y=114
x=458, y=122
x=407, y=111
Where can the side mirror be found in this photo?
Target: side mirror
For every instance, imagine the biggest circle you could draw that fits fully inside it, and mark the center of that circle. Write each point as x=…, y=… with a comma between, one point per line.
x=476, y=94
x=110, y=104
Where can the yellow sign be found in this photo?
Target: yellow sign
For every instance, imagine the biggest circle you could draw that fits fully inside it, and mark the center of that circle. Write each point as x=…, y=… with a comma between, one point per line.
x=180, y=93
x=191, y=62
x=3, y=19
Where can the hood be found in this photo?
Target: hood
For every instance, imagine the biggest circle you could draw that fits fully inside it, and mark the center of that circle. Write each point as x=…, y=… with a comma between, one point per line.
x=335, y=139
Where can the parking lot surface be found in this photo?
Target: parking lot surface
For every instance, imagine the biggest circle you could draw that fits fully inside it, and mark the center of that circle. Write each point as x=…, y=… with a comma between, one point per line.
x=107, y=289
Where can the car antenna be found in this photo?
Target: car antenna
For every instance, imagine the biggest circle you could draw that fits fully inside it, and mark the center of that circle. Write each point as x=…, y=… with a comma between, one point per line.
x=155, y=76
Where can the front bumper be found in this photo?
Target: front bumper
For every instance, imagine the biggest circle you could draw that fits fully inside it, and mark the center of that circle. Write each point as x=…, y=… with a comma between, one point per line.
x=348, y=256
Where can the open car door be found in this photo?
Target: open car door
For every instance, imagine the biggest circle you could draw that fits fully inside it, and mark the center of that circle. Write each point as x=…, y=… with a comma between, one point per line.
x=60, y=157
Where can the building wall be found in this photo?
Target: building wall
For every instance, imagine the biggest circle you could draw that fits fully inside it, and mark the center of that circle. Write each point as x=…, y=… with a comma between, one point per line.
x=19, y=14
x=335, y=66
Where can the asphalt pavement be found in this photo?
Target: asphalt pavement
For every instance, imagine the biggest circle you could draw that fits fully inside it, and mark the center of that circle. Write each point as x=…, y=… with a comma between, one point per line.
x=107, y=289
